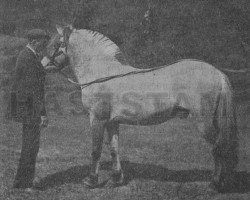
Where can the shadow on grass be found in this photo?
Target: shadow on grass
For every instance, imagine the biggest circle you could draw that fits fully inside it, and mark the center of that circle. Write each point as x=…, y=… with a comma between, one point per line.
x=72, y=175
x=143, y=171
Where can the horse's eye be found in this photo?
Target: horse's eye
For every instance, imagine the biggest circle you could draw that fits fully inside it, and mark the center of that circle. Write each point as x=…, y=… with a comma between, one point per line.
x=63, y=45
x=57, y=45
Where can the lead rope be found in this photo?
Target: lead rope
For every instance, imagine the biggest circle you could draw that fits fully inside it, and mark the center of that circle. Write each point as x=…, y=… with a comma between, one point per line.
x=100, y=80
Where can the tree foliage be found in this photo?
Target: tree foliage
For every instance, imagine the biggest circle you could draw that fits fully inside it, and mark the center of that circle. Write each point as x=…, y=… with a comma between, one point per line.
x=150, y=32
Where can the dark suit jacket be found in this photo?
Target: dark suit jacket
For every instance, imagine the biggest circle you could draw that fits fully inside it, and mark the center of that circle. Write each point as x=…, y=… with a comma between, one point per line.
x=28, y=88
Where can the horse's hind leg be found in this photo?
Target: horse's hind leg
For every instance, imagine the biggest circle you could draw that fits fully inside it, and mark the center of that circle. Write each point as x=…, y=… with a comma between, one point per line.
x=117, y=177
x=210, y=130
x=97, y=133
x=221, y=171
x=225, y=160
x=218, y=174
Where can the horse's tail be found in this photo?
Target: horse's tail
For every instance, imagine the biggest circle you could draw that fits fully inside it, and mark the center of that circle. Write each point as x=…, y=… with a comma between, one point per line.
x=226, y=145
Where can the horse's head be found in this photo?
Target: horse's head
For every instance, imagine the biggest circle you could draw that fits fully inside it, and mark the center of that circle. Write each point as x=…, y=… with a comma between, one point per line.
x=89, y=53
x=57, y=47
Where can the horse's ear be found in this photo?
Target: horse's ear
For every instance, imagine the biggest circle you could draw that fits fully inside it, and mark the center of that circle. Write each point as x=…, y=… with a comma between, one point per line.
x=59, y=29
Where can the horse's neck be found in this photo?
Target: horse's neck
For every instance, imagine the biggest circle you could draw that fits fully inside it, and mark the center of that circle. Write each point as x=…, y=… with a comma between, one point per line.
x=100, y=69
x=111, y=68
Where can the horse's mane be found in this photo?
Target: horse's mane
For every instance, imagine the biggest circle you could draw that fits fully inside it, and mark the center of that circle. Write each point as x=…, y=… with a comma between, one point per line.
x=101, y=44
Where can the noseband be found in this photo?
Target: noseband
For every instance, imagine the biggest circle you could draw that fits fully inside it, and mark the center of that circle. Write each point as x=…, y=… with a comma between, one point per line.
x=56, y=53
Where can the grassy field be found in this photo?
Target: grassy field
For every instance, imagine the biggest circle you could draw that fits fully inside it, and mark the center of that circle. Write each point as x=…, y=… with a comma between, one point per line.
x=169, y=161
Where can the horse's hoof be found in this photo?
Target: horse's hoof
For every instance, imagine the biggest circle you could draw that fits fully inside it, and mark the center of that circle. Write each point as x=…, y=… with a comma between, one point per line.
x=117, y=179
x=91, y=181
x=110, y=184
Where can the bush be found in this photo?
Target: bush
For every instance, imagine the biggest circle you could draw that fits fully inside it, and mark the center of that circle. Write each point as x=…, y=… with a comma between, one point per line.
x=7, y=27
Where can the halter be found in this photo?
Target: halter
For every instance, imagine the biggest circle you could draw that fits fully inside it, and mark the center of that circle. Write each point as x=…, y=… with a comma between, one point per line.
x=57, y=52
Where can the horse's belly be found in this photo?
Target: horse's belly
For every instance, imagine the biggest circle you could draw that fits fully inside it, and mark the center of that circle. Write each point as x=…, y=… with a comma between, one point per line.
x=141, y=109
x=156, y=118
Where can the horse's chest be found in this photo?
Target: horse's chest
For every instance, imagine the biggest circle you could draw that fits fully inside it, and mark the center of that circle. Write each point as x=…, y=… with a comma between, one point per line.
x=97, y=103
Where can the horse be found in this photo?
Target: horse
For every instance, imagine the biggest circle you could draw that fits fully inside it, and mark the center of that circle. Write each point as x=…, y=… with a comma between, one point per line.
x=114, y=93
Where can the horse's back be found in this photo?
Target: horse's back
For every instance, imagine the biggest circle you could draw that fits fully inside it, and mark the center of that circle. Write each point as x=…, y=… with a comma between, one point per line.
x=184, y=75
x=146, y=96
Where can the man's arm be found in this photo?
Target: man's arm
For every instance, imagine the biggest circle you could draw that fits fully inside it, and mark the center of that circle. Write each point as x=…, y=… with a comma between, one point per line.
x=26, y=77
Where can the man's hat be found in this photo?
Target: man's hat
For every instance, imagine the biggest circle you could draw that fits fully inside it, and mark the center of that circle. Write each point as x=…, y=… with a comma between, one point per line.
x=37, y=34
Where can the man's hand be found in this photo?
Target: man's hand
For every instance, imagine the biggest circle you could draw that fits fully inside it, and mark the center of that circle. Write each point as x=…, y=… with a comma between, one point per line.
x=45, y=61
x=48, y=66
x=51, y=68
x=44, y=122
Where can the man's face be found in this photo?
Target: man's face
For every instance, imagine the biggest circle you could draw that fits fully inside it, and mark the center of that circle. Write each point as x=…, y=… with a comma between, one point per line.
x=40, y=45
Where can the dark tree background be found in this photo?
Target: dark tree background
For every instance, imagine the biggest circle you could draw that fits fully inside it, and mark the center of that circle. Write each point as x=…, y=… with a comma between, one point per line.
x=149, y=32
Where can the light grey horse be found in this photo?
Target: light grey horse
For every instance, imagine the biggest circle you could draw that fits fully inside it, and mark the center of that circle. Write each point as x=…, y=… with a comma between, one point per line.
x=115, y=93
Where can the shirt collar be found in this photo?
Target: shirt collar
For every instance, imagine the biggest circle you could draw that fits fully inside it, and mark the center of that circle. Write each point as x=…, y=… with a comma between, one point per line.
x=30, y=47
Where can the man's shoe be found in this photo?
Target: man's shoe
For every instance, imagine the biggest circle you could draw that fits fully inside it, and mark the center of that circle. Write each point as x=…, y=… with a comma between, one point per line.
x=21, y=185
x=27, y=187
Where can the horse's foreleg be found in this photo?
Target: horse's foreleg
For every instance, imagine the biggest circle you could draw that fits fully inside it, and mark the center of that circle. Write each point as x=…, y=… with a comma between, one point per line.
x=97, y=132
x=117, y=176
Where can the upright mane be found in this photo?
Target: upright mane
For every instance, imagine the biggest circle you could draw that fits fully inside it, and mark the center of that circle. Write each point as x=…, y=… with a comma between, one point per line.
x=99, y=45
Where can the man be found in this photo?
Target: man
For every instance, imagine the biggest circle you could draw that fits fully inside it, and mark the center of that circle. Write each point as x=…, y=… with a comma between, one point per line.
x=28, y=106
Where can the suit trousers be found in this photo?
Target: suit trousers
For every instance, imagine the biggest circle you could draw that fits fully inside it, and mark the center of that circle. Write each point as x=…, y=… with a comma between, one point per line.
x=30, y=147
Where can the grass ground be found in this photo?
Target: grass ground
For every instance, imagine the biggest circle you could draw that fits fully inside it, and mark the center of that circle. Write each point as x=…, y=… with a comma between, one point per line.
x=172, y=166
x=169, y=161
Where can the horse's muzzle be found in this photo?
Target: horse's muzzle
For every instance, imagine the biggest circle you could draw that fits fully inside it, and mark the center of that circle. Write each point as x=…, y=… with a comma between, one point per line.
x=61, y=59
